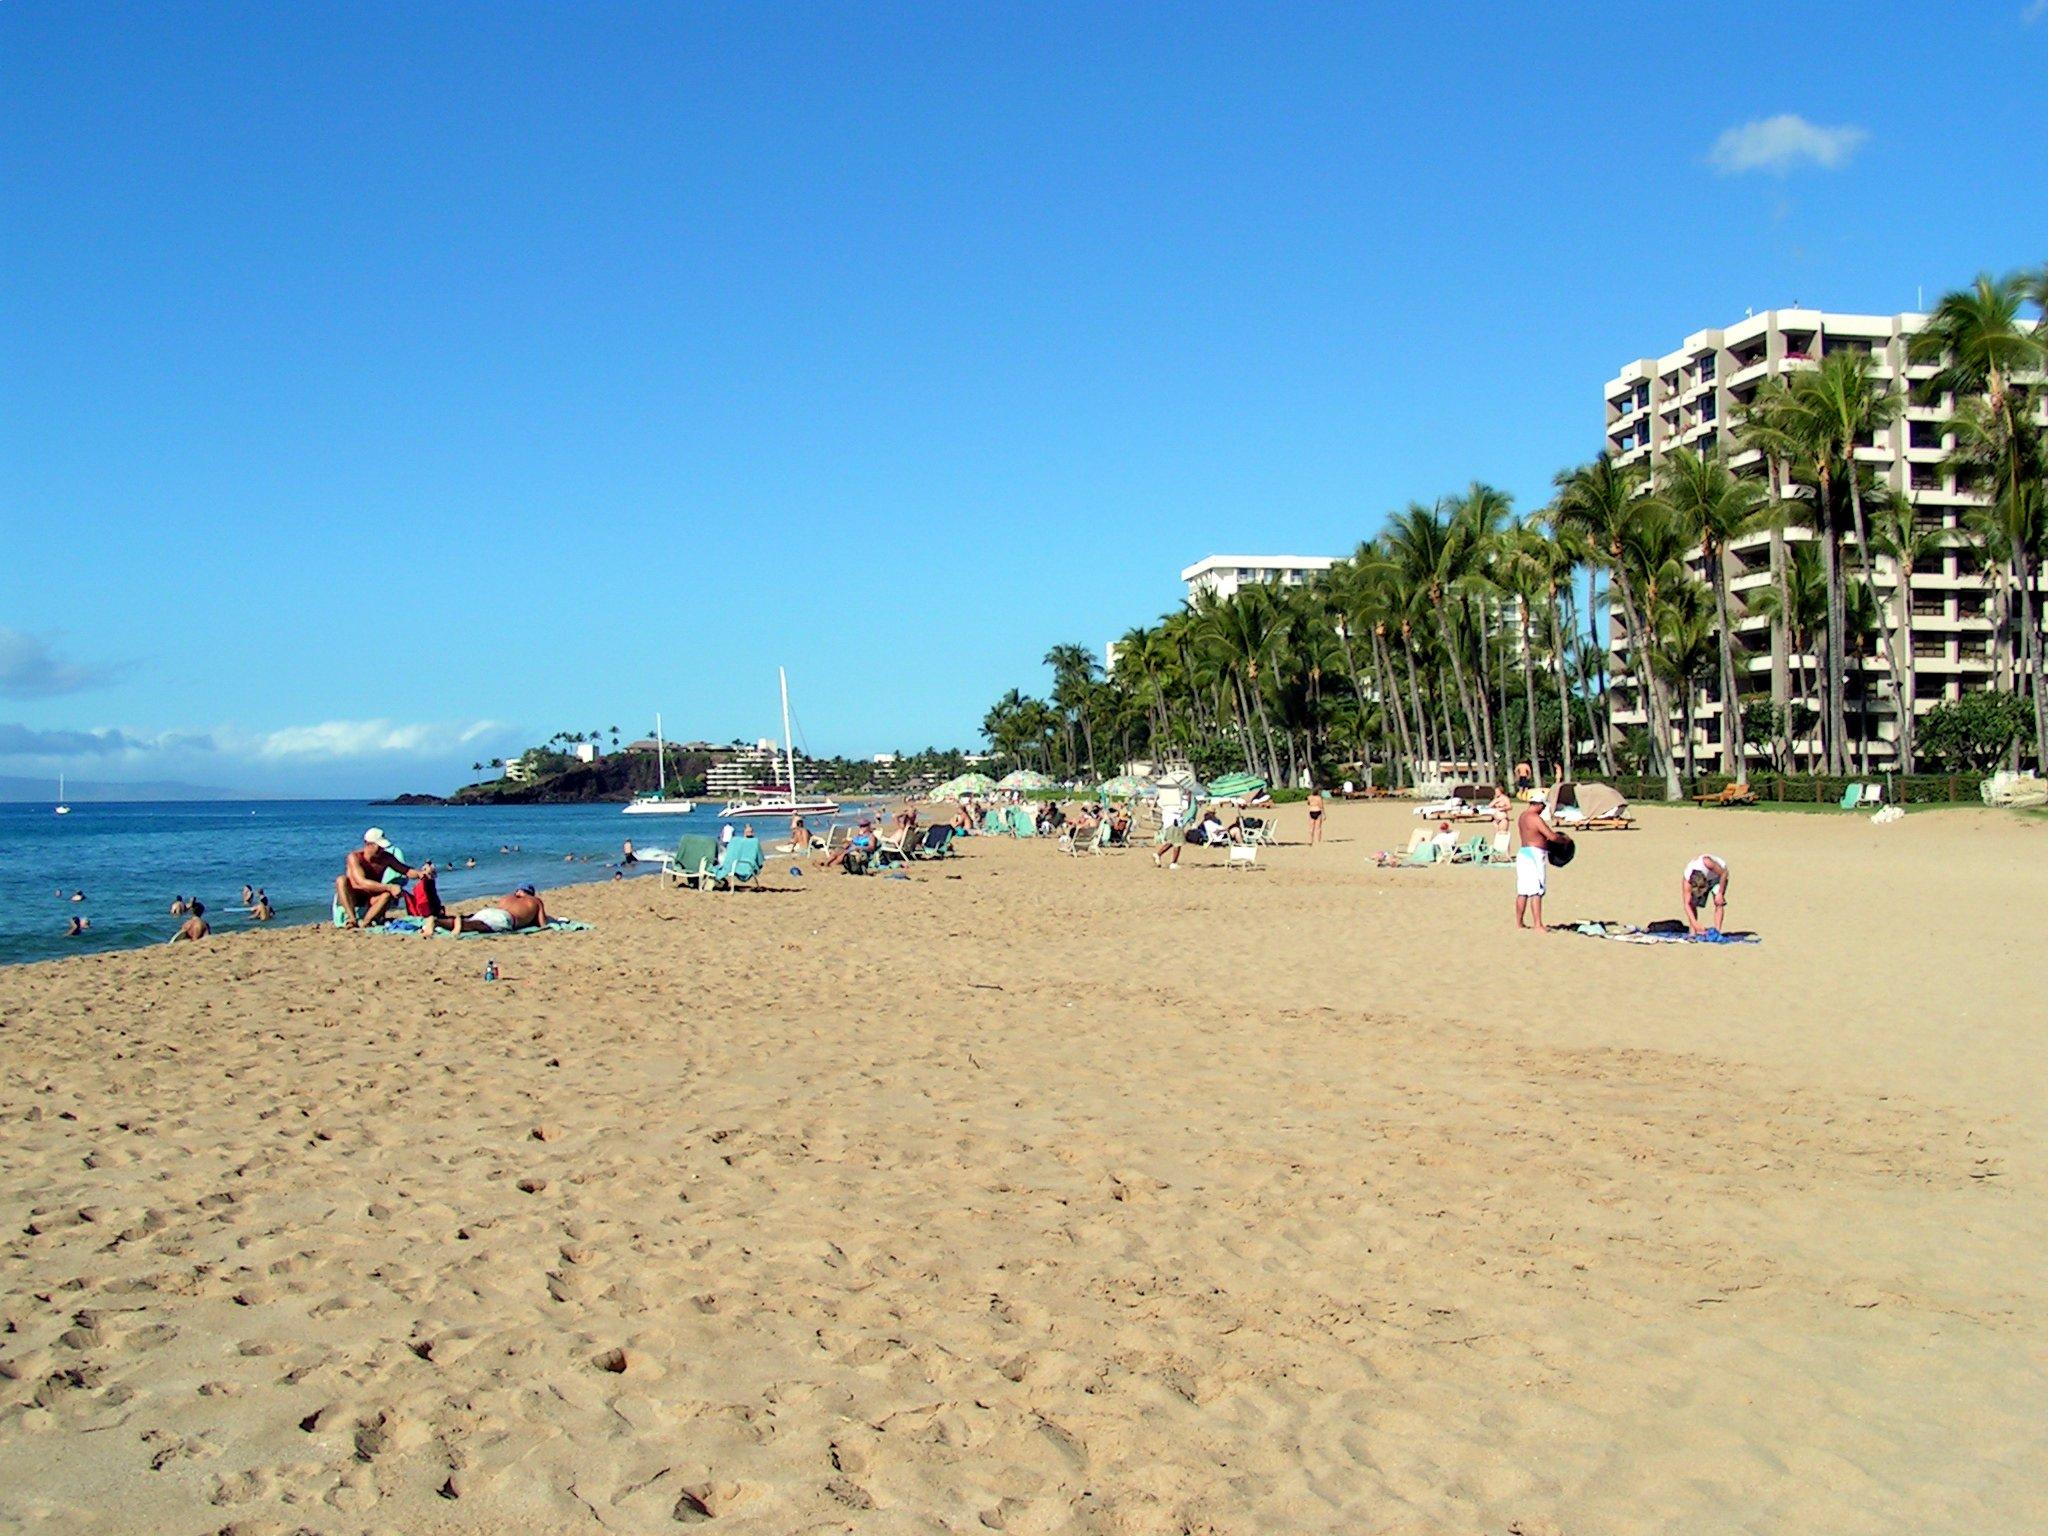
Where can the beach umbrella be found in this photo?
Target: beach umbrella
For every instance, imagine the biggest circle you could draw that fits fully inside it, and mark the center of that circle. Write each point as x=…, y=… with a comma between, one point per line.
x=1025, y=778
x=1232, y=786
x=966, y=784
x=1126, y=786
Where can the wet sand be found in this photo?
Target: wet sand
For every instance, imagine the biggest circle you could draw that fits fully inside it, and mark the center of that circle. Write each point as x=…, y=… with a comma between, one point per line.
x=1035, y=1194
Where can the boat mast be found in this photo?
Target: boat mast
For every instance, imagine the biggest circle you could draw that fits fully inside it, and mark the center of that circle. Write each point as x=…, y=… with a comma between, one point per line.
x=788, y=749
x=660, y=761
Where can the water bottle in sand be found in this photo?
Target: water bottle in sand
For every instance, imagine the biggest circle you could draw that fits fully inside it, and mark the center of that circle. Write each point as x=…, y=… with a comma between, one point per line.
x=490, y=970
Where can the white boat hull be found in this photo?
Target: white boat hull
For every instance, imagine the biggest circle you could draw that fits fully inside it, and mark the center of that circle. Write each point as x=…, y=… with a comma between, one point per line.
x=658, y=808
x=769, y=809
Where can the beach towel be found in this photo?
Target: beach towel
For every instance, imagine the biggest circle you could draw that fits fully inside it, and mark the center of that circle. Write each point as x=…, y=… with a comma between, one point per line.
x=411, y=925
x=1626, y=933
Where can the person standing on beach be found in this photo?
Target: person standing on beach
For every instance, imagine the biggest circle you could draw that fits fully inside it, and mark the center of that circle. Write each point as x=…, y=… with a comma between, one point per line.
x=1315, y=816
x=1532, y=863
x=1705, y=879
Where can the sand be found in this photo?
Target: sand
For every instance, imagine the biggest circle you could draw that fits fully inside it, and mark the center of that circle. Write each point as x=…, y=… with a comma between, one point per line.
x=1036, y=1194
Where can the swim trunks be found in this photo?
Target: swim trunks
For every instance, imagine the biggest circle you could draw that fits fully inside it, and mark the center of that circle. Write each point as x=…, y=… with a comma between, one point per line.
x=1532, y=867
x=497, y=919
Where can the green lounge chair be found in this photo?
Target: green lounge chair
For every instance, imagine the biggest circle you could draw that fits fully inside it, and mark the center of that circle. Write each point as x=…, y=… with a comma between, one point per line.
x=739, y=865
x=693, y=861
x=1852, y=797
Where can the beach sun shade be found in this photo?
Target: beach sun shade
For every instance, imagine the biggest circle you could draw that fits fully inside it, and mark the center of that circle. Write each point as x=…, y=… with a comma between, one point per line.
x=1125, y=786
x=1233, y=785
x=966, y=784
x=1025, y=778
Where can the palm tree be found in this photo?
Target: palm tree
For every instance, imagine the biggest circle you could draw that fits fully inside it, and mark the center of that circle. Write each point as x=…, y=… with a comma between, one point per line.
x=1712, y=507
x=1434, y=553
x=1681, y=645
x=1846, y=408
x=1599, y=499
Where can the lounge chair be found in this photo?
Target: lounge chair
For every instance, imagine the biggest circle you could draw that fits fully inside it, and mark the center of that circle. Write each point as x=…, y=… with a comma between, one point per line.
x=1477, y=850
x=1243, y=856
x=1733, y=794
x=937, y=844
x=1258, y=830
x=738, y=865
x=1873, y=794
x=693, y=861
x=1851, y=797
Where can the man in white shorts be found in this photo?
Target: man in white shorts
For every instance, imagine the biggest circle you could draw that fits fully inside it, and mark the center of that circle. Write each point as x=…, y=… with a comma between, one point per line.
x=1532, y=864
x=522, y=909
x=1705, y=878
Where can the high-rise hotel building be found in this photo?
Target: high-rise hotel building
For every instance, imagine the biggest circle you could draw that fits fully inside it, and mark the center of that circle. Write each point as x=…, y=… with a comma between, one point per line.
x=1694, y=398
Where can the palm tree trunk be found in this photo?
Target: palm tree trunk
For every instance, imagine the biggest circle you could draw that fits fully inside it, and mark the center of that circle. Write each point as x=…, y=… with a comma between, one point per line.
x=1565, y=726
x=1908, y=723
x=1781, y=636
x=1415, y=698
x=2031, y=637
x=1734, y=758
x=1833, y=712
x=1902, y=702
x=1599, y=654
x=1458, y=675
x=1392, y=696
x=1660, y=706
x=1529, y=689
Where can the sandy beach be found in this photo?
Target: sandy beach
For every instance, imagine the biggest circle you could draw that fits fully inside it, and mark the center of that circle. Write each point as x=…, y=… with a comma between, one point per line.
x=1034, y=1194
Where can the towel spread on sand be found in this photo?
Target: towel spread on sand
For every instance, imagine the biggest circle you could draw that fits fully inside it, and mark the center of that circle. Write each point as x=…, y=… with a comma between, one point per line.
x=411, y=925
x=1627, y=934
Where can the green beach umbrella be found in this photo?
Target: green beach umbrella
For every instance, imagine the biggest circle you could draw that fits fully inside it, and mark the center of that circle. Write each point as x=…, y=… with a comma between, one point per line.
x=1025, y=778
x=1233, y=785
x=1124, y=786
x=966, y=784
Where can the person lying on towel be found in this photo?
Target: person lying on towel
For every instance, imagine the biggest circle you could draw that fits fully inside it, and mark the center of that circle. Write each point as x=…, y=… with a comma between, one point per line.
x=508, y=914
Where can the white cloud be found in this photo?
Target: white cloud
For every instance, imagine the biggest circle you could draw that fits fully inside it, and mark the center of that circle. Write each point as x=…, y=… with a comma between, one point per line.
x=29, y=669
x=1783, y=143
x=329, y=741
x=2034, y=11
x=368, y=738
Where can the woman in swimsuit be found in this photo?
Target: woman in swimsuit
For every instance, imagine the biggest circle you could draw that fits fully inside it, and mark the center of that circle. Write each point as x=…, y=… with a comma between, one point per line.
x=1315, y=816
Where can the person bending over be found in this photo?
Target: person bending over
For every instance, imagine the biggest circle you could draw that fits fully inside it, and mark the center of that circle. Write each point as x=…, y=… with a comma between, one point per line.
x=360, y=890
x=1705, y=879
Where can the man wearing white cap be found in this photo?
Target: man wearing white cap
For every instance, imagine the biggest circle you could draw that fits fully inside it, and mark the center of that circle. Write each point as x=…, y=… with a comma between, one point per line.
x=362, y=884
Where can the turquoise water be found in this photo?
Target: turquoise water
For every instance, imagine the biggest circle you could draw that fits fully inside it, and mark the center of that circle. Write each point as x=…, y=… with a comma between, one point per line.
x=131, y=859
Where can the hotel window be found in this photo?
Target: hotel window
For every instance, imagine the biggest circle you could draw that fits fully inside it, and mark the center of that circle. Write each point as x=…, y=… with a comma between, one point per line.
x=1707, y=368
x=1708, y=408
x=1923, y=434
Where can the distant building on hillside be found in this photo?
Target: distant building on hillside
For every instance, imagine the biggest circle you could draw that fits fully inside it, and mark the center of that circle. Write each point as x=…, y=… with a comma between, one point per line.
x=1224, y=575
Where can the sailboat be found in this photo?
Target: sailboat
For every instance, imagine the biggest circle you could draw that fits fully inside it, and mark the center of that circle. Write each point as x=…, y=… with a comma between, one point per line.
x=782, y=799
x=655, y=802
x=62, y=808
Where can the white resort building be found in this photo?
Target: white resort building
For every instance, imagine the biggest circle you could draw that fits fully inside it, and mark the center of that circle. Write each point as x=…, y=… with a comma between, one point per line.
x=1694, y=398
x=1224, y=574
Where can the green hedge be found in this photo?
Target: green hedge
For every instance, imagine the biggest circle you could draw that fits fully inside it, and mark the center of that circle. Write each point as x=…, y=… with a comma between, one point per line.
x=1820, y=789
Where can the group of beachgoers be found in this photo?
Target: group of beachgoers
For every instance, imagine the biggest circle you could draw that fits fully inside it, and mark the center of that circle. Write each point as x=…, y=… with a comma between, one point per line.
x=1542, y=845
x=374, y=880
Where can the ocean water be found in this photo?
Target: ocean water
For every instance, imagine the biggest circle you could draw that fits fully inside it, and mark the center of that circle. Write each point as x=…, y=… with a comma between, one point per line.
x=130, y=859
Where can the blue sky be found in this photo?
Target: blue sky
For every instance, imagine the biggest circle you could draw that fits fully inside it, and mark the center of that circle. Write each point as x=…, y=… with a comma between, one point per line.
x=384, y=386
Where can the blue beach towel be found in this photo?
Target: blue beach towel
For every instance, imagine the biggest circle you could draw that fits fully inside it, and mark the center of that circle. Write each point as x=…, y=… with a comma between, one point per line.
x=1626, y=933
x=411, y=925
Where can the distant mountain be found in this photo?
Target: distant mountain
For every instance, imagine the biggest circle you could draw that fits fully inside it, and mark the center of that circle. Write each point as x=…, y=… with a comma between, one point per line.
x=85, y=791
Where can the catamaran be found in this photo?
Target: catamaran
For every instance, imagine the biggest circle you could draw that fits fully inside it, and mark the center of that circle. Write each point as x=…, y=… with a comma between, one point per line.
x=62, y=808
x=774, y=800
x=655, y=802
